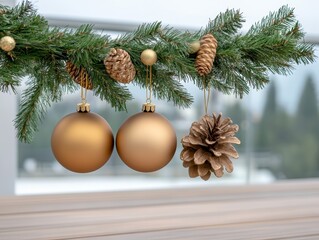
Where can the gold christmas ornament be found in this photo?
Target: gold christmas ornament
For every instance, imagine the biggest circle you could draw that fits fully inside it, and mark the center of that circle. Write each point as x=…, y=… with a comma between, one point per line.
x=208, y=147
x=7, y=43
x=119, y=66
x=79, y=75
x=146, y=142
x=194, y=47
x=148, y=57
x=82, y=142
x=206, y=54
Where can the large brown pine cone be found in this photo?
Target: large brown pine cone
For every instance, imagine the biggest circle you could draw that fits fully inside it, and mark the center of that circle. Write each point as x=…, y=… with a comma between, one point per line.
x=206, y=54
x=119, y=66
x=79, y=75
x=208, y=147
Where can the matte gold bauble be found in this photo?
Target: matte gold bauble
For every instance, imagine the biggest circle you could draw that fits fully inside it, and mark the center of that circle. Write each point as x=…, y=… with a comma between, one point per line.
x=82, y=142
x=146, y=142
x=149, y=57
x=7, y=43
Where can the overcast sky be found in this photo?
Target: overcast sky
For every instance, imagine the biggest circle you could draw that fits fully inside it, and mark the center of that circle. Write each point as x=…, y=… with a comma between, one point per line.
x=176, y=12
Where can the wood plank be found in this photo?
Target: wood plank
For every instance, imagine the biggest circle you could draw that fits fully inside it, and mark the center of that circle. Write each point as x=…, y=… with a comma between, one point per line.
x=277, y=211
x=10, y=205
x=256, y=231
x=243, y=207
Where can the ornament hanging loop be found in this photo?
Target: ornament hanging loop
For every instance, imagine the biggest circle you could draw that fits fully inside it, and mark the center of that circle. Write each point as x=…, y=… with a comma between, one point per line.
x=148, y=57
x=83, y=106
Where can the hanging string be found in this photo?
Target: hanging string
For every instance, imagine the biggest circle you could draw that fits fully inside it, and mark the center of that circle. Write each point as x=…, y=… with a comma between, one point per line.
x=84, y=92
x=147, y=95
x=148, y=84
x=206, y=97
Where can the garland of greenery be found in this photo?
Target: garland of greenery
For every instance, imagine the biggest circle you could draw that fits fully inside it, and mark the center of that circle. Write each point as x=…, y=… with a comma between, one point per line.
x=242, y=61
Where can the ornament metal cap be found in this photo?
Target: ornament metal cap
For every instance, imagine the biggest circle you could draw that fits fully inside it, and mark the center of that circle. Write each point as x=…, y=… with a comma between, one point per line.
x=148, y=107
x=83, y=107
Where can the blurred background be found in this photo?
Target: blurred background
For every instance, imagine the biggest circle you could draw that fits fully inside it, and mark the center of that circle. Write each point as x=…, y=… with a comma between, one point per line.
x=278, y=125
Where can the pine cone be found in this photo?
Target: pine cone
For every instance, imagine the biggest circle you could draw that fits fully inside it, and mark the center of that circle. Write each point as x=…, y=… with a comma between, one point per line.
x=119, y=66
x=79, y=75
x=206, y=54
x=208, y=147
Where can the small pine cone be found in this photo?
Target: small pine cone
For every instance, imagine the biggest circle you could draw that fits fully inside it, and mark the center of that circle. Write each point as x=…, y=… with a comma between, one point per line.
x=79, y=75
x=206, y=54
x=208, y=147
x=119, y=66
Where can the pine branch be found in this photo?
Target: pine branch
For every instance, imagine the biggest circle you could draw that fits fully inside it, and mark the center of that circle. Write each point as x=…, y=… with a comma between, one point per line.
x=144, y=34
x=33, y=107
x=9, y=83
x=46, y=85
x=166, y=87
x=279, y=21
x=25, y=8
x=227, y=23
x=108, y=89
x=10, y=75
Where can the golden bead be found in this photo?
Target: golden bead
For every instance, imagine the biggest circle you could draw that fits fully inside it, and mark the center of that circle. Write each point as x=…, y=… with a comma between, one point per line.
x=194, y=47
x=149, y=57
x=7, y=43
x=82, y=142
x=146, y=142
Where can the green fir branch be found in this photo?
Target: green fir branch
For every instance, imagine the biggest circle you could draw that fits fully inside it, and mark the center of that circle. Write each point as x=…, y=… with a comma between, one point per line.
x=279, y=21
x=227, y=23
x=165, y=86
x=108, y=89
x=33, y=106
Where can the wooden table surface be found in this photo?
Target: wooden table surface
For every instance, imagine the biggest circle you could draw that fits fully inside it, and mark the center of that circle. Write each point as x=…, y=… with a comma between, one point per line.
x=286, y=210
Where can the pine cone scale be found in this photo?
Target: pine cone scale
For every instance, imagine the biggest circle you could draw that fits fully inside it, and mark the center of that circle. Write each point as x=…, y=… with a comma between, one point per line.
x=207, y=176
x=225, y=123
x=209, y=142
x=225, y=161
x=196, y=141
x=233, y=140
x=200, y=156
x=187, y=155
x=214, y=162
x=193, y=171
x=196, y=130
x=188, y=164
x=215, y=152
x=219, y=173
x=203, y=170
x=228, y=150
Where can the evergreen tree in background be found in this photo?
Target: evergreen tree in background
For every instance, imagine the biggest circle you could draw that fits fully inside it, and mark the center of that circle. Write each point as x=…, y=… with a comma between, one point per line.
x=307, y=111
x=301, y=155
x=271, y=102
x=266, y=136
x=294, y=138
x=238, y=115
